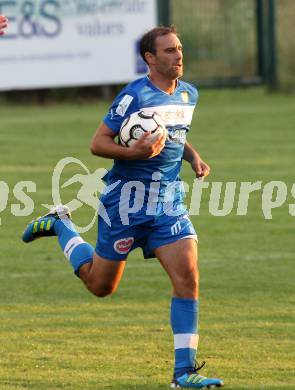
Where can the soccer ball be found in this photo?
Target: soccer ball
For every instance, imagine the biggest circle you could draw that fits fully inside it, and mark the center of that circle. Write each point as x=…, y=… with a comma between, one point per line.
x=137, y=124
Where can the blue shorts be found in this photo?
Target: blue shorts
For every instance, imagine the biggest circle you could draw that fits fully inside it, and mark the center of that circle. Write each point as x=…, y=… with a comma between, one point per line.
x=116, y=240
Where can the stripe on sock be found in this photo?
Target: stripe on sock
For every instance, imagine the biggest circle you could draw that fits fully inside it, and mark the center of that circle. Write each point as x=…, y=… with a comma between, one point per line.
x=72, y=244
x=186, y=340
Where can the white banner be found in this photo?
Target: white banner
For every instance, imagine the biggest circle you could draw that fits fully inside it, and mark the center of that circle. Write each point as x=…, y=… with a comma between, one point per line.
x=58, y=43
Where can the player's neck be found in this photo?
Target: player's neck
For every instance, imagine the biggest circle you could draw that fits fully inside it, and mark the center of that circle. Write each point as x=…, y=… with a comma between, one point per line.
x=164, y=84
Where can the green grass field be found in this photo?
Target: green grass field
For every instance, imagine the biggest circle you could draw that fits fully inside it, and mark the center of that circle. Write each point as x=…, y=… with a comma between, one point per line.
x=55, y=335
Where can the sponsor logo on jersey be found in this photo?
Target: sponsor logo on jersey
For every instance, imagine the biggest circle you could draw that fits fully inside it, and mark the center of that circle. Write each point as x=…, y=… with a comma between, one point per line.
x=178, y=136
x=173, y=115
x=123, y=245
x=124, y=104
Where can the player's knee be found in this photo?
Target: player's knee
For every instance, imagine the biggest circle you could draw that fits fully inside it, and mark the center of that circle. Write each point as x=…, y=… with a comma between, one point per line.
x=193, y=287
x=101, y=291
x=187, y=286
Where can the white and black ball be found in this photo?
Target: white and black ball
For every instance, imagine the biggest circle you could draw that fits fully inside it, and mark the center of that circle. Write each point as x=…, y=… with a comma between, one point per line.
x=138, y=123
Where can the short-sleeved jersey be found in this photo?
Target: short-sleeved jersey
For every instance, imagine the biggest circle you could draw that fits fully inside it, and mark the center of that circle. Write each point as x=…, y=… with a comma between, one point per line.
x=176, y=111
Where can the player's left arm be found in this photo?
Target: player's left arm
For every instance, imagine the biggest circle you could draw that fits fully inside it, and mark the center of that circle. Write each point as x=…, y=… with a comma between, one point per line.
x=198, y=165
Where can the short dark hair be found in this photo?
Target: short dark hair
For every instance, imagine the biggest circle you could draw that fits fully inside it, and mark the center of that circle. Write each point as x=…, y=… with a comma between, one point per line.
x=147, y=42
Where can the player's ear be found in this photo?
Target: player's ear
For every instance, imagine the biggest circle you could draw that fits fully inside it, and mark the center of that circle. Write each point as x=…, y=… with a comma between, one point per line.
x=150, y=58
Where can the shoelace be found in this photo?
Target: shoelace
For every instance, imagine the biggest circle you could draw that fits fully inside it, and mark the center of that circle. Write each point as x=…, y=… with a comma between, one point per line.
x=197, y=367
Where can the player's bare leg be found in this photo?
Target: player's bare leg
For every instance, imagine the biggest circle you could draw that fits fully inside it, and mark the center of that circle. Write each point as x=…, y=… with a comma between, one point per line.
x=102, y=276
x=179, y=259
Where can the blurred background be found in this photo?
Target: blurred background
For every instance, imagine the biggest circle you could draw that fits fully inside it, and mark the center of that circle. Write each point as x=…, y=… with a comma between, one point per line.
x=237, y=42
x=56, y=44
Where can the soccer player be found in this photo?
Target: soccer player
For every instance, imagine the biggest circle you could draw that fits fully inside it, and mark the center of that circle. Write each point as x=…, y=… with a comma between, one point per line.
x=3, y=24
x=167, y=233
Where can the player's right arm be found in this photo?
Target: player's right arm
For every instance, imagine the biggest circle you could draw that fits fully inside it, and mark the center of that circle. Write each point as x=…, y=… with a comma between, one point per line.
x=103, y=144
x=3, y=24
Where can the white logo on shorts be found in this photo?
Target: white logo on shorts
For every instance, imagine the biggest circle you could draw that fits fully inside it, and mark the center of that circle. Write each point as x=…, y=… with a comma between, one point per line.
x=123, y=245
x=176, y=228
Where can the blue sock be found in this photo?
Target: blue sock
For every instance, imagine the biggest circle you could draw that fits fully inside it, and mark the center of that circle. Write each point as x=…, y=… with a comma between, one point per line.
x=74, y=247
x=184, y=323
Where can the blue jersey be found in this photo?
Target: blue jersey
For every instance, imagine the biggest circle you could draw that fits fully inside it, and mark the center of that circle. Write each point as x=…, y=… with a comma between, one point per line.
x=161, y=217
x=176, y=111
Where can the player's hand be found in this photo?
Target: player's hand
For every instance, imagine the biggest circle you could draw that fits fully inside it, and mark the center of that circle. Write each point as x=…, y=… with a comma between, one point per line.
x=147, y=146
x=3, y=24
x=200, y=168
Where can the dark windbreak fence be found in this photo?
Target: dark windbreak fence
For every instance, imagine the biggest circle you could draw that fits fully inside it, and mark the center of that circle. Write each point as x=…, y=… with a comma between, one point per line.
x=224, y=40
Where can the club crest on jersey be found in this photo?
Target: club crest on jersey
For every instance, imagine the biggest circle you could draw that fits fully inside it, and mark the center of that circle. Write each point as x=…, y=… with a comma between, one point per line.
x=184, y=96
x=123, y=245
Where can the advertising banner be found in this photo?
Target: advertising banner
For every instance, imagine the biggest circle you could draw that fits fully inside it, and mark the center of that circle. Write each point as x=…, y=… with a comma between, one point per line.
x=59, y=43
